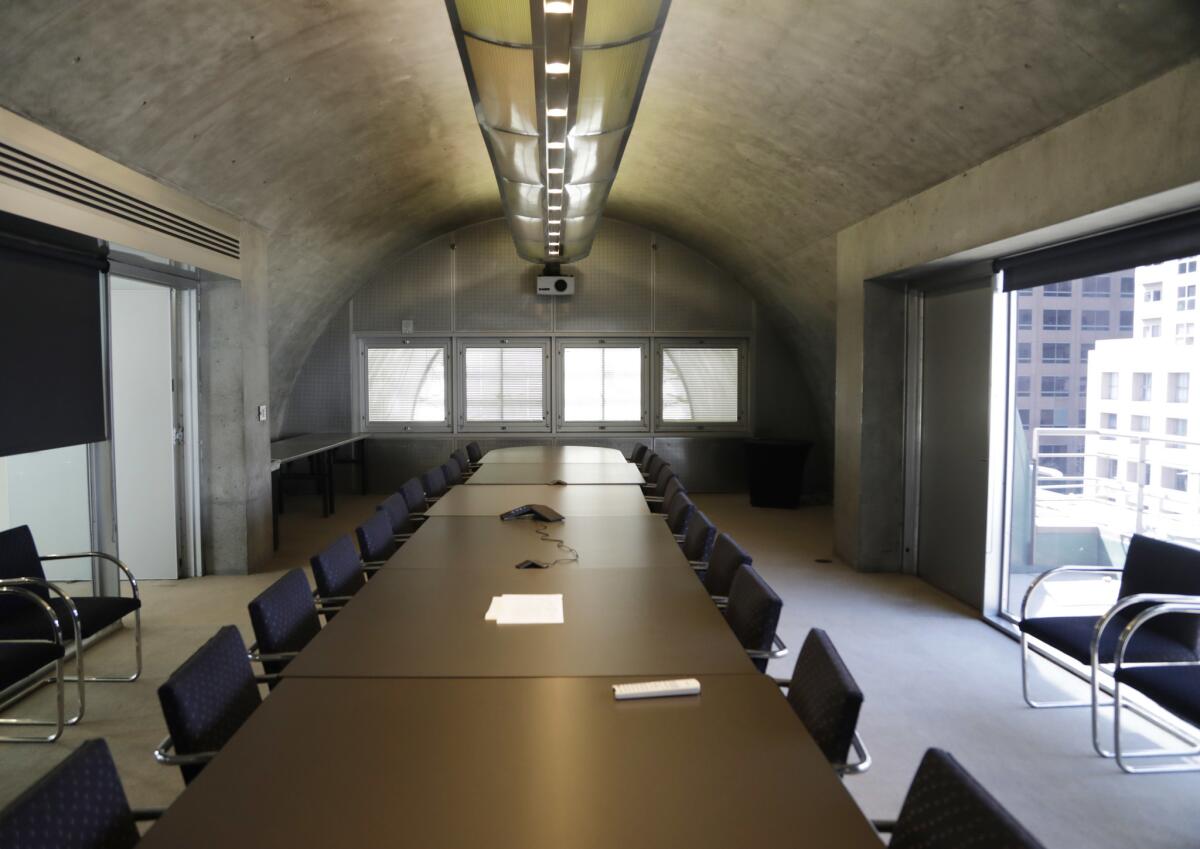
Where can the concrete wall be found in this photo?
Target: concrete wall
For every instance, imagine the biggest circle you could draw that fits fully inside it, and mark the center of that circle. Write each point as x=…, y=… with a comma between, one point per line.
x=1140, y=144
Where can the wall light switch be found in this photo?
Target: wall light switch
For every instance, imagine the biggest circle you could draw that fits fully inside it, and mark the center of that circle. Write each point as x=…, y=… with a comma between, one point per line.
x=262, y=412
x=406, y=325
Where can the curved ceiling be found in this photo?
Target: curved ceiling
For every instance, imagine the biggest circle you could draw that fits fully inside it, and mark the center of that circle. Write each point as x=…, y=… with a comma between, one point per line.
x=345, y=129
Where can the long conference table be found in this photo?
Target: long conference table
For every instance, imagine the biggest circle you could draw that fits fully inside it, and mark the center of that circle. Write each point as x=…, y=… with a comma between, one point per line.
x=410, y=721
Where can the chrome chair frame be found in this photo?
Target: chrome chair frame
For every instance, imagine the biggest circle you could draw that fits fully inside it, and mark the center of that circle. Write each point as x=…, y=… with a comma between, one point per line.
x=137, y=614
x=19, y=691
x=857, y=767
x=780, y=650
x=32, y=682
x=1190, y=607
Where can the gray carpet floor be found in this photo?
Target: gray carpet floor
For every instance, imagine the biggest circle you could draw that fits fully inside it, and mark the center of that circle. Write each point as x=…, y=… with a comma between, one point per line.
x=932, y=672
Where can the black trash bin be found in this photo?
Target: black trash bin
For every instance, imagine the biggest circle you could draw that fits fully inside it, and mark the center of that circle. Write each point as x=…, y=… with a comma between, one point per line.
x=775, y=471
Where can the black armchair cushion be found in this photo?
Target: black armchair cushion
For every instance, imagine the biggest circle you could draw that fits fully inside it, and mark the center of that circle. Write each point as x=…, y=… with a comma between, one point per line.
x=414, y=495
x=680, y=514
x=20, y=660
x=80, y=804
x=699, y=537
x=674, y=487
x=723, y=564
x=95, y=614
x=284, y=618
x=208, y=698
x=639, y=452
x=825, y=696
x=1157, y=566
x=19, y=559
x=397, y=510
x=655, y=463
x=753, y=612
x=474, y=452
x=948, y=809
x=664, y=477
x=434, y=482
x=464, y=462
x=1176, y=688
x=452, y=472
x=1073, y=636
x=375, y=539
x=337, y=571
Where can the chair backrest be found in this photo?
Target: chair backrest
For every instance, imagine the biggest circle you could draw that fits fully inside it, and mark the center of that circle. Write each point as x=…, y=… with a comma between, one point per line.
x=723, y=563
x=680, y=514
x=397, y=511
x=19, y=559
x=434, y=481
x=945, y=806
x=474, y=452
x=639, y=452
x=413, y=492
x=753, y=612
x=338, y=571
x=208, y=698
x=284, y=618
x=649, y=456
x=1157, y=566
x=699, y=536
x=656, y=462
x=452, y=472
x=825, y=697
x=79, y=804
x=464, y=462
x=665, y=475
x=375, y=540
x=673, y=488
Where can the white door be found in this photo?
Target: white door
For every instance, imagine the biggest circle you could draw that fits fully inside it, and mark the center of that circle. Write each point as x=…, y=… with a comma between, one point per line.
x=143, y=409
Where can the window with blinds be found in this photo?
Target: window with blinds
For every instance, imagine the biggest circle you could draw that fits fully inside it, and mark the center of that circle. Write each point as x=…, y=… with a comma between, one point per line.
x=505, y=383
x=701, y=384
x=406, y=385
x=603, y=383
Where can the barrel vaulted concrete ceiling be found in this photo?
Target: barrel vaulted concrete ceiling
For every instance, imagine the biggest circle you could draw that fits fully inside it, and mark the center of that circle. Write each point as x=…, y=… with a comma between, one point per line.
x=345, y=129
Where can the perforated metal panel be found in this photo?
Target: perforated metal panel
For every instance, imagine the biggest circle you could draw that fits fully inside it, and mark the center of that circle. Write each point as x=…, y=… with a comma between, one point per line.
x=612, y=286
x=320, y=399
x=495, y=290
x=390, y=461
x=415, y=288
x=706, y=464
x=693, y=295
x=625, y=445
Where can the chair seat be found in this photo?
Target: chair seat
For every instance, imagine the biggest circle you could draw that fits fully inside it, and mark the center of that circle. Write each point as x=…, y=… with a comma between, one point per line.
x=1176, y=688
x=95, y=614
x=20, y=661
x=1073, y=636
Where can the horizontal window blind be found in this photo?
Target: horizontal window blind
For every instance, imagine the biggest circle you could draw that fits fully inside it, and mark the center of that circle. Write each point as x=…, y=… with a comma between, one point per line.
x=700, y=384
x=406, y=384
x=602, y=384
x=504, y=384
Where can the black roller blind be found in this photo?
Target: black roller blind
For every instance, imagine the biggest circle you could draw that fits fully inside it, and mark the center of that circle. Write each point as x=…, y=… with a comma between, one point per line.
x=51, y=342
x=1140, y=244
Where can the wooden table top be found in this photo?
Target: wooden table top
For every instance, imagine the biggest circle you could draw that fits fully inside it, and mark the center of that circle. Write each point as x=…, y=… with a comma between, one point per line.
x=573, y=500
x=549, y=472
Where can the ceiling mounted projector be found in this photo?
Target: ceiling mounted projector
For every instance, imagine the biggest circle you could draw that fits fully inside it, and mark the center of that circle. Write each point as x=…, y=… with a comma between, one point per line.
x=556, y=284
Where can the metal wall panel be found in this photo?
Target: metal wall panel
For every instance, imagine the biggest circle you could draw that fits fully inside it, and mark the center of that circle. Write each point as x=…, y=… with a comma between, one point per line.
x=612, y=286
x=391, y=461
x=692, y=295
x=706, y=464
x=415, y=287
x=320, y=401
x=494, y=289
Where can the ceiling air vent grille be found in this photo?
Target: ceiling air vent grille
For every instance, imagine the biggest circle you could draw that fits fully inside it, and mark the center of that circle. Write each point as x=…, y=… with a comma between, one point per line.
x=37, y=173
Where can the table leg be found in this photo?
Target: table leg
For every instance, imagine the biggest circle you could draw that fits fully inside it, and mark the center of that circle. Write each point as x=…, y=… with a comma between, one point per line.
x=329, y=479
x=276, y=506
x=361, y=449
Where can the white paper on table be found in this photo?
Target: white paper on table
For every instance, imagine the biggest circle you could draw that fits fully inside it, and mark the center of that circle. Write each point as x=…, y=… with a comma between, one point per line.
x=543, y=609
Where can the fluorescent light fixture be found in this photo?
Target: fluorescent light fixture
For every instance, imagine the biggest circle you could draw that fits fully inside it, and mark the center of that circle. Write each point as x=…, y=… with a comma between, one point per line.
x=554, y=208
x=554, y=191
x=556, y=112
x=554, y=170
x=558, y=68
x=555, y=145
x=558, y=7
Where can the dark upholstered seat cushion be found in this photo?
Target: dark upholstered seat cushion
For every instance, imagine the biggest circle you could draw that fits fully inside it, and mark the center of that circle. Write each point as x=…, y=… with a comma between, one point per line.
x=397, y=510
x=723, y=563
x=1157, y=566
x=434, y=482
x=1073, y=636
x=19, y=559
x=948, y=809
x=452, y=472
x=338, y=571
x=206, y=700
x=674, y=487
x=20, y=660
x=680, y=514
x=464, y=462
x=413, y=492
x=639, y=451
x=375, y=538
x=474, y=452
x=284, y=618
x=698, y=539
x=95, y=614
x=825, y=696
x=753, y=613
x=1176, y=688
x=79, y=804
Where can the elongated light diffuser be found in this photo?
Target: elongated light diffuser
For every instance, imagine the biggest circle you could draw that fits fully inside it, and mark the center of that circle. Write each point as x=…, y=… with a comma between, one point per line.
x=556, y=86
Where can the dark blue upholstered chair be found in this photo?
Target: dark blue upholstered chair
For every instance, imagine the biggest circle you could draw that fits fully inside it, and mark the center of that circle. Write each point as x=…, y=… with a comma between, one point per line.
x=452, y=472
x=753, y=614
x=22, y=659
x=474, y=453
x=653, y=464
x=79, y=804
x=698, y=539
x=284, y=619
x=948, y=809
x=20, y=561
x=338, y=572
x=827, y=700
x=639, y=452
x=680, y=514
x=398, y=514
x=464, y=462
x=658, y=487
x=1155, y=571
x=205, y=701
x=434, y=482
x=724, y=561
x=413, y=492
x=661, y=504
x=376, y=542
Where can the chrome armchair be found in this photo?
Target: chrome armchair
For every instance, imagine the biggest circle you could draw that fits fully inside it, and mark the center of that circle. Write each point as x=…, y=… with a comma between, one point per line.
x=24, y=663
